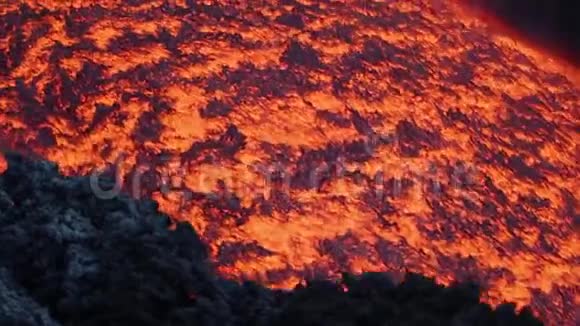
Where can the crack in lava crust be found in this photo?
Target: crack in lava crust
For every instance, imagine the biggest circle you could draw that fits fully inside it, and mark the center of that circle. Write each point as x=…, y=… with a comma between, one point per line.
x=379, y=98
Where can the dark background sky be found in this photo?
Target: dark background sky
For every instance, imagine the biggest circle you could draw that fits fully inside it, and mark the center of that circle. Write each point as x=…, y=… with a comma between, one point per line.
x=552, y=24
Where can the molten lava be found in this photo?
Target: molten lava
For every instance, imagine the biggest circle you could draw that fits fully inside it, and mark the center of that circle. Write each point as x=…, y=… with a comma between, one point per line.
x=315, y=137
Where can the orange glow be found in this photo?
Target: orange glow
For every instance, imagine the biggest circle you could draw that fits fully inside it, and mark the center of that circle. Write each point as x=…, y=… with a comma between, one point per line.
x=206, y=98
x=3, y=164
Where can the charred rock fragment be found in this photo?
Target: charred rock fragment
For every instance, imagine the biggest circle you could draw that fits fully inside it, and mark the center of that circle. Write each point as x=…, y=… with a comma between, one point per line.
x=215, y=108
x=343, y=248
x=376, y=50
x=291, y=19
x=225, y=208
x=148, y=127
x=301, y=55
x=361, y=124
x=46, y=137
x=232, y=140
x=230, y=252
x=412, y=138
x=227, y=145
x=334, y=118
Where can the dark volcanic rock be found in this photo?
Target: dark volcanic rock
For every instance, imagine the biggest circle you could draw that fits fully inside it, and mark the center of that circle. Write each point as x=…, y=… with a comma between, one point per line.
x=302, y=55
x=291, y=19
x=215, y=108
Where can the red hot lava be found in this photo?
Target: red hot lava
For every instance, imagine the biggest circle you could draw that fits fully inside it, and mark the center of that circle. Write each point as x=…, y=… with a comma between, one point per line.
x=313, y=137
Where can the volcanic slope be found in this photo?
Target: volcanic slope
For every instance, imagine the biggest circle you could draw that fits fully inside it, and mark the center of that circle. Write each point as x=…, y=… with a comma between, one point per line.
x=307, y=138
x=68, y=257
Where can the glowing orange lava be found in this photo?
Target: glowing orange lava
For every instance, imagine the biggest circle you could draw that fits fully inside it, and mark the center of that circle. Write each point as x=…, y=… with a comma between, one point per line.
x=3, y=164
x=306, y=139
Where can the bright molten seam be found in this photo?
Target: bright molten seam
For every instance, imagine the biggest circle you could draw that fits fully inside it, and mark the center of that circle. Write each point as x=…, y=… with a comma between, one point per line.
x=306, y=139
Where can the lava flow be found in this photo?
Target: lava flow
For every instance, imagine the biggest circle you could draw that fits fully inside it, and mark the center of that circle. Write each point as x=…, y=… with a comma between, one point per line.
x=307, y=138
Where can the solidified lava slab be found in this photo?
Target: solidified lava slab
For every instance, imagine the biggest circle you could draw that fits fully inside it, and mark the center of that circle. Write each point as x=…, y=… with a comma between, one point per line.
x=306, y=138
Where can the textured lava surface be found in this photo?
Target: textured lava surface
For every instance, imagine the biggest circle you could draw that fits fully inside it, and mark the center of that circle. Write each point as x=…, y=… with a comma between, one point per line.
x=309, y=138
